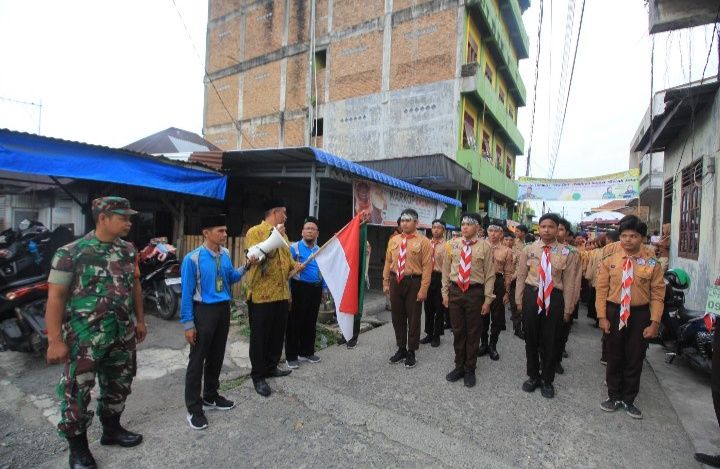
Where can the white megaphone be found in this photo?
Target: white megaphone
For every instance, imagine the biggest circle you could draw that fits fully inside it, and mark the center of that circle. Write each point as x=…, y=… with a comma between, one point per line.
x=261, y=250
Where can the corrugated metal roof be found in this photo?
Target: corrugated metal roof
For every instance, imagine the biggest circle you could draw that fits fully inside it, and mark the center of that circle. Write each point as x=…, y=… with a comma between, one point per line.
x=171, y=140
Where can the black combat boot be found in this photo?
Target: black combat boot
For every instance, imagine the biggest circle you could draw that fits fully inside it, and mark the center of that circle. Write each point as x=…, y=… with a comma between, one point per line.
x=80, y=455
x=115, y=434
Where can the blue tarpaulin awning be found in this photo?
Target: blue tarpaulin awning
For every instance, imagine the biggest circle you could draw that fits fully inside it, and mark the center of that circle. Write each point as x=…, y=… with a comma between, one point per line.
x=34, y=154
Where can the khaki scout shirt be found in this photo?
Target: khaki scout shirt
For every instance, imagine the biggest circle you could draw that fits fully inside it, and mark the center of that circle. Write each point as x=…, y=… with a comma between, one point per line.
x=482, y=270
x=565, y=263
x=438, y=253
x=591, y=269
x=517, y=249
x=418, y=259
x=648, y=286
x=504, y=262
x=272, y=283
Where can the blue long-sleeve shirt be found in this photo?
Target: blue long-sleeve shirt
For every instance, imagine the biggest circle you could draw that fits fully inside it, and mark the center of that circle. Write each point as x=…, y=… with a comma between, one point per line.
x=198, y=273
x=311, y=274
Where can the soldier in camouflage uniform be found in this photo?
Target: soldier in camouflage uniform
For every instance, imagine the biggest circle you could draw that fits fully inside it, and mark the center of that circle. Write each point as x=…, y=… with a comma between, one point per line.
x=94, y=289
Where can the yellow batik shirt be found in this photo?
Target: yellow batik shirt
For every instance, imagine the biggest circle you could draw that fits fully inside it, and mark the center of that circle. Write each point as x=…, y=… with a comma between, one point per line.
x=268, y=281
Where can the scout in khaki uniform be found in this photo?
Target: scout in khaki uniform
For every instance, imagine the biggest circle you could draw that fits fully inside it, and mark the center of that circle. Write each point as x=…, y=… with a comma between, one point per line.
x=406, y=278
x=546, y=271
x=94, y=292
x=629, y=303
x=467, y=288
x=504, y=270
x=434, y=309
x=515, y=314
x=565, y=237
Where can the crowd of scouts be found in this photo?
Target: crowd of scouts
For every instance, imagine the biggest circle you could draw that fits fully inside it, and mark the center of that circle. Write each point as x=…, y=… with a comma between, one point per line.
x=464, y=284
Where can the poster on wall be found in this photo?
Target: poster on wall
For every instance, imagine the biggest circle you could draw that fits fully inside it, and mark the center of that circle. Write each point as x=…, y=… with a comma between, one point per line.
x=385, y=204
x=615, y=186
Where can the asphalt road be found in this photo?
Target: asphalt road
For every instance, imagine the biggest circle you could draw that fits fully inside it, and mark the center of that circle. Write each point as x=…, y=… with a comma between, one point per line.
x=355, y=409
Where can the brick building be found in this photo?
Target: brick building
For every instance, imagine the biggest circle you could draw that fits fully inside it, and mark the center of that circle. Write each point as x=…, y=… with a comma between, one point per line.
x=378, y=81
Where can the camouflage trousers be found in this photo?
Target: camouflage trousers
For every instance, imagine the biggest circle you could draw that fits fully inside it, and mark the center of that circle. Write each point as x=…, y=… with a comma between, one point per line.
x=110, y=356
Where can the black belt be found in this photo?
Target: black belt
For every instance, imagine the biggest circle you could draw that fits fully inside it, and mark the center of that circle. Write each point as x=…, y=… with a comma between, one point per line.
x=499, y=274
x=407, y=275
x=314, y=284
x=535, y=287
x=472, y=285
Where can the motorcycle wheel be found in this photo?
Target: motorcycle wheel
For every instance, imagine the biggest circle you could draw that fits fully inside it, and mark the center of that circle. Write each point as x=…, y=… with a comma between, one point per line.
x=167, y=304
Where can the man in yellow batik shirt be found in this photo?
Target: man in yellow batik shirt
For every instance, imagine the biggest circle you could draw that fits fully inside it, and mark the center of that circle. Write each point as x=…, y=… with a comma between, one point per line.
x=268, y=299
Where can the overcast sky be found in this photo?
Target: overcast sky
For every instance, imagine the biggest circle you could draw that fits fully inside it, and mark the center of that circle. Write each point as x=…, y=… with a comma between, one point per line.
x=111, y=73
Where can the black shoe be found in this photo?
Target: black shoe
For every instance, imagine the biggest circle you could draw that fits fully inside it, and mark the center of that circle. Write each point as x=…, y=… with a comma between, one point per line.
x=633, y=411
x=80, y=455
x=483, y=350
x=352, y=343
x=559, y=368
x=565, y=354
x=114, y=434
x=399, y=356
x=262, y=388
x=494, y=355
x=531, y=384
x=410, y=360
x=426, y=340
x=197, y=421
x=547, y=390
x=278, y=373
x=219, y=403
x=455, y=375
x=469, y=379
x=610, y=405
x=708, y=459
x=435, y=342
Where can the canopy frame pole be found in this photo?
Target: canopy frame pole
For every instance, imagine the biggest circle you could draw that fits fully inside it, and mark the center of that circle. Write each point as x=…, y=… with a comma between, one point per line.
x=314, y=207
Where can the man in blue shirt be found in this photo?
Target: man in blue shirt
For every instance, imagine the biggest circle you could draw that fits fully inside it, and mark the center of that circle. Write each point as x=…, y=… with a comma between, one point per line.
x=207, y=275
x=306, y=288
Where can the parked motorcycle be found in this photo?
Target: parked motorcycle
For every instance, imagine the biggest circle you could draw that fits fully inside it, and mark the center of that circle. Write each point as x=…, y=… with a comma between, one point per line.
x=683, y=331
x=22, y=327
x=160, y=277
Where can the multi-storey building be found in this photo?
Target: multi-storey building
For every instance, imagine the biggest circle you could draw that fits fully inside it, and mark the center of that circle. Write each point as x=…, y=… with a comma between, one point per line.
x=376, y=81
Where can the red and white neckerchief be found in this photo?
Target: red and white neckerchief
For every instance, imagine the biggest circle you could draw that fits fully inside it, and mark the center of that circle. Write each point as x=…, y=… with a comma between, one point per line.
x=434, y=245
x=402, y=256
x=625, y=296
x=465, y=266
x=545, y=283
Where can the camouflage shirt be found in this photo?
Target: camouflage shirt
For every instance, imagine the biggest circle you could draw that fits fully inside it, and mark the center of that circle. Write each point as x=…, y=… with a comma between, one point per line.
x=100, y=277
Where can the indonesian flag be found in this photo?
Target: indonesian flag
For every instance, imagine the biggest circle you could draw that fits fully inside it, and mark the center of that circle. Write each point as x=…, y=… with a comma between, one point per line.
x=339, y=263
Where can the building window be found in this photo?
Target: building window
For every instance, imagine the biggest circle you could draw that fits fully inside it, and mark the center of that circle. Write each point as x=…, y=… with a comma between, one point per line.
x=472, y=51
x=320, y=60
x=469, y=131
x=690, y=200
x=667, y=201
x=487, y=153
x=489, y=73
x=317, y=130
x=502, y=96
x=512, y=114
x=509, y=166
x=498, y=156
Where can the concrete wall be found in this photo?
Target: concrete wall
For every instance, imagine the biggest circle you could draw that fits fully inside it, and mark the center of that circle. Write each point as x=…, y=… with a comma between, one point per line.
x=703, y=271
x=413, y=121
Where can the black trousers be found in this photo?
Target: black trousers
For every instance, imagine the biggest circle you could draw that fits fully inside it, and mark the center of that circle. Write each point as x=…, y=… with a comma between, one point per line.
x=625, y=352
x=715, y=376
x=300, y=333
x=267, y=333
x=562, y=338
x=592, y=312
x=540, y=333
x=434, y=309
x=515, y=314
x=497, y=314
x=212, y=323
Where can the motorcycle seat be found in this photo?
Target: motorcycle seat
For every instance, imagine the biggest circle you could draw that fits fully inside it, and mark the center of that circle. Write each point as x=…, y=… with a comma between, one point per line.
x=689, y=314
x=22, y=282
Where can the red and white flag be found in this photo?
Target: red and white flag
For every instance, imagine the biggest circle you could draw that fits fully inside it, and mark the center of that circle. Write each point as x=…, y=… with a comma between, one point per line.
x=339, y=263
